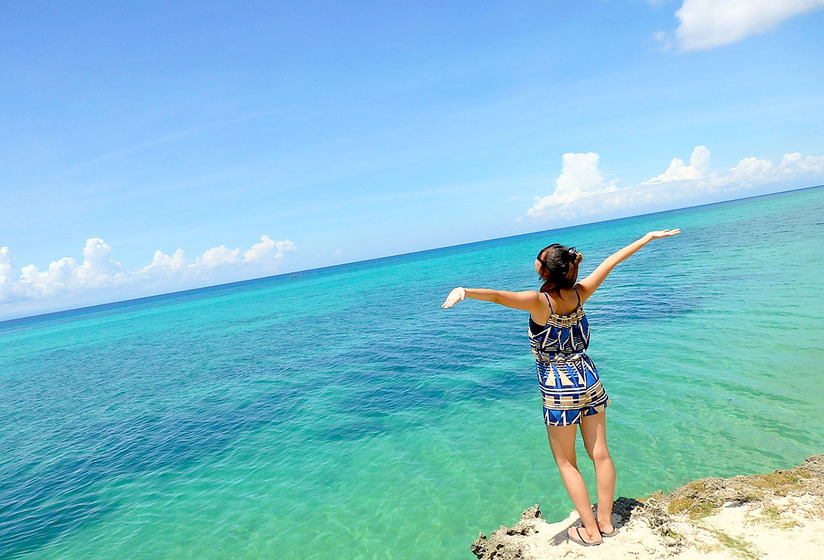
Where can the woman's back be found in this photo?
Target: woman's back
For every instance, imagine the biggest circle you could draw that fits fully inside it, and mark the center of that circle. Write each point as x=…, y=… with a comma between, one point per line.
x=564, y=302
x=564, y=333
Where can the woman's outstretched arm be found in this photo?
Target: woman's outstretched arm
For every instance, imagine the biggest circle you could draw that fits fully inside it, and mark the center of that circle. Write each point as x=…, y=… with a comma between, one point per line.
x=588, y=285
x=527, y=301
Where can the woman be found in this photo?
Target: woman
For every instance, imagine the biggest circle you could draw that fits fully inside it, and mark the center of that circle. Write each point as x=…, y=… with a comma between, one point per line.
x=570, y=386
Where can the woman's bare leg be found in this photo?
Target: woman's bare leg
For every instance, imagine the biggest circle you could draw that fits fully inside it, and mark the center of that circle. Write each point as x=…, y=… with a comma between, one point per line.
x=594, y=431
x=562, y=443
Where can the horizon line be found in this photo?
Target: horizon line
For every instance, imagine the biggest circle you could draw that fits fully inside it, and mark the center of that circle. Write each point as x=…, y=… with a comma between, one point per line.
x=87, y=309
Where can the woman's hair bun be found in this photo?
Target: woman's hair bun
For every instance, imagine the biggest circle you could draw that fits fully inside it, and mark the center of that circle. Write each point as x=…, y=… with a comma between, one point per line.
x=574, y=256
x=559, y=267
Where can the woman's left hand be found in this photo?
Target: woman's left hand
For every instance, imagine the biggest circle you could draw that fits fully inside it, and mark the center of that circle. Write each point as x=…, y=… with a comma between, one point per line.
x=663, y=233
x=456, y=295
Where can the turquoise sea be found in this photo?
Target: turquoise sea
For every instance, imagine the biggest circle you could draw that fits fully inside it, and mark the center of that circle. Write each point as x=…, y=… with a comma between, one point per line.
x=340, y=413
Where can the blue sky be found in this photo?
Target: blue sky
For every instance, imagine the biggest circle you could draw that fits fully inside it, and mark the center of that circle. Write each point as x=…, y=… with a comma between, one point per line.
x=156, y=146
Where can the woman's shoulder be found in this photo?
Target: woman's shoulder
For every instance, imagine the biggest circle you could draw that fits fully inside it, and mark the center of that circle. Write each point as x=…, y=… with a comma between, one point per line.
x=582, y=291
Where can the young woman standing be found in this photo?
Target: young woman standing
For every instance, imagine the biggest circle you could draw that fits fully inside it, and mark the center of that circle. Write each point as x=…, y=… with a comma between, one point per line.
x=570, y=386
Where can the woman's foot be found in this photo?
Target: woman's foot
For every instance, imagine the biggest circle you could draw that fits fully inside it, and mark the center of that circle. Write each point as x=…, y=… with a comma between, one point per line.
x=606, y=528
x=581, y=536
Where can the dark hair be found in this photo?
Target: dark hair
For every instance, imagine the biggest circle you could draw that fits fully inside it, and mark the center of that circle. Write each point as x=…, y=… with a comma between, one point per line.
x=559, y=267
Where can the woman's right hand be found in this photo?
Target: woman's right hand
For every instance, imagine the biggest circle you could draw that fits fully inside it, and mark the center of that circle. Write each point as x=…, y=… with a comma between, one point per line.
x=456, y=295
x=662, y=233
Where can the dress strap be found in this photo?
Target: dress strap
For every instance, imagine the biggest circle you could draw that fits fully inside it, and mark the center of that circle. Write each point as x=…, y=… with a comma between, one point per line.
x=546, y=295
x=579, y=296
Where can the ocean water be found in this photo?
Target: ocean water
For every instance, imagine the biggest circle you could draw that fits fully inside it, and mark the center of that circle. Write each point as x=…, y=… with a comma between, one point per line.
x=340, y=413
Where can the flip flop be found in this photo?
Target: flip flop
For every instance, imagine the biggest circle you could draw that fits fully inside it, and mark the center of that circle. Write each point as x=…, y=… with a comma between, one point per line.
x=580, y=540
x=612, y=534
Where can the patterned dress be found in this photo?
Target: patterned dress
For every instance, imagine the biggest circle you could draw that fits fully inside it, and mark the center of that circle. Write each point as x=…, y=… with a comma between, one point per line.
x=570, y=386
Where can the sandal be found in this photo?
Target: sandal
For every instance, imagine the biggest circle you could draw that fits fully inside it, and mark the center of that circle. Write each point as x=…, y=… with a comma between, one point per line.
x=614, y=529
x=580, y=540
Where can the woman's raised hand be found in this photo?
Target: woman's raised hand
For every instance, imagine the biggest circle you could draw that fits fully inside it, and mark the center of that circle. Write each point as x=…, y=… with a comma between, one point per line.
x=456, y=295
x=663, y=233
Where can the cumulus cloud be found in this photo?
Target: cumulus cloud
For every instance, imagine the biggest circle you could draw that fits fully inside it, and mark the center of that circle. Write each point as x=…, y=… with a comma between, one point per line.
x=797, y=164
x=98, y=266
x=580, y=179
x=678, y=171
x=66, y=274
x=707, y=24
x=754, y=171
x=164, y=262
x=267, y=250
x=750, y=171
x=218, y=256
x=581, y=191
x=99, y=278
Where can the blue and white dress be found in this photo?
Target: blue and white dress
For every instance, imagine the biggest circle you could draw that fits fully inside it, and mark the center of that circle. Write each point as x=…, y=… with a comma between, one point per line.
x=570, y=386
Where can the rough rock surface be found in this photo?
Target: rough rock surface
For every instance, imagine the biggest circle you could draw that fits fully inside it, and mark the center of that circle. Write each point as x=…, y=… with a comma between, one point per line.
x=504, y=543
x=758, y=516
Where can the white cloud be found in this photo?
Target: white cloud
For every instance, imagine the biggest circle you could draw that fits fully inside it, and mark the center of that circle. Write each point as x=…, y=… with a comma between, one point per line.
x=99, y=278
x=707, y=24
x=679, y=185
x=162, y=261
x=753, y=171
x=796, y=164
x=98, y=267
x=267, y=250
x=218, y=256
x=580, y=179
x=677, y=171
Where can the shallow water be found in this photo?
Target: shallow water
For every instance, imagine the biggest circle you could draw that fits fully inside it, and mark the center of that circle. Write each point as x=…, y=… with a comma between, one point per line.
x=341, y=413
